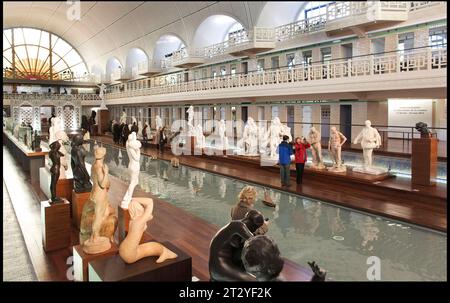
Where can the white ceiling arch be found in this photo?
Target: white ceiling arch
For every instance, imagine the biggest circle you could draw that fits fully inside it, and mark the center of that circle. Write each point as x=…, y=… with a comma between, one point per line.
x=277, y=13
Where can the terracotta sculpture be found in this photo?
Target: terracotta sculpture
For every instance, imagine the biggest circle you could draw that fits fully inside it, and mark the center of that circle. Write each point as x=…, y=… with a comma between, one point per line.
x=55, y=156
x=370, y=139
x=226, y=247
x=81, y=178
x=175, y=162
x=337, y=139
x=130, y=250
x=250, y=138
x=134, y=155
x=98, y=220
x=223, y=143
x=316, y=148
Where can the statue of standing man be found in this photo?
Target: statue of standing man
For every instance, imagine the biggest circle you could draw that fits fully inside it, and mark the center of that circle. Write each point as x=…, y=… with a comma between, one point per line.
x=316, y=148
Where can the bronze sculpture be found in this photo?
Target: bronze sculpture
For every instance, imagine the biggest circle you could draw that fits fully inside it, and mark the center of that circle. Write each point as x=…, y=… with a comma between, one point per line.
x=81, y=178
x=422, y=128
x=55, y=156
x=36, y=142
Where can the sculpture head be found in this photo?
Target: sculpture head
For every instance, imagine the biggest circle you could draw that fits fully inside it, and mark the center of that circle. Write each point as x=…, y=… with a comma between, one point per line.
x=276, y=121
x=333, y=129
x=262, y=258
x=313, y=130
x=248, y=195
x=422, y=127
x=77, y=140
x=253, y=220
x=100, y=153
x=285, y=138
x=368, y=123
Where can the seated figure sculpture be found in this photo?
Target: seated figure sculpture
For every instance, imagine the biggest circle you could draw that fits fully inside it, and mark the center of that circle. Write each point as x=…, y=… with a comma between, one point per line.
x=227, y=243
x=130, y=250
x=316, y=148
x=98, y=220
x=81, y=178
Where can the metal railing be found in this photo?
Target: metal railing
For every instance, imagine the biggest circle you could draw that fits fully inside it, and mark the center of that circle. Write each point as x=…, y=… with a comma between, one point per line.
x=369, y=65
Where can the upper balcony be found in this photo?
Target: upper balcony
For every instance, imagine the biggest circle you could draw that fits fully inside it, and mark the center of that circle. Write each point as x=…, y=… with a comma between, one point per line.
x=148, y=68
x=188, y=58
x=248, y=43
x=120, y=74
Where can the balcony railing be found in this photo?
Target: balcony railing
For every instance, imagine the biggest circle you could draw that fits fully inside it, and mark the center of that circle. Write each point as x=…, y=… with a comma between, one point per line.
x=43, y=96
x=417, y=5
x=425, y=59
x=148, y=67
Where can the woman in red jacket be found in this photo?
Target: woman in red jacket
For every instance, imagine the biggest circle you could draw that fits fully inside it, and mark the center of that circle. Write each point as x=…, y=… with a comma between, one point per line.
x=300, y=157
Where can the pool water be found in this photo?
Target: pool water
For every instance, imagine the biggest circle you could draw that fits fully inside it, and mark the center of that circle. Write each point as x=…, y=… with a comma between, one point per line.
x=339, y=239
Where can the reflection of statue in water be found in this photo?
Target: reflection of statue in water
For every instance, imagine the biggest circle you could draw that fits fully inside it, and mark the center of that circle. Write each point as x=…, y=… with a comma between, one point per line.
x=98, y=220
x=370, y=139
x=130, y=250
x=337, y=139
x=223, y=143
x=55, y=156
x=134, y=155
x=190, y=112
x=227, y=243
x=316, y=148
x=250, y=138
x=81, y=178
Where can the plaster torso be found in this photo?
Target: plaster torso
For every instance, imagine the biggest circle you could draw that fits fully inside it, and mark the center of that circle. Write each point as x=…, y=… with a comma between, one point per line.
x=314, y=137
x=335, y=139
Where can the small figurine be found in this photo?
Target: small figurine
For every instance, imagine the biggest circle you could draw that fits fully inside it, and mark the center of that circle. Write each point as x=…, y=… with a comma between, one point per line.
x=55, y=156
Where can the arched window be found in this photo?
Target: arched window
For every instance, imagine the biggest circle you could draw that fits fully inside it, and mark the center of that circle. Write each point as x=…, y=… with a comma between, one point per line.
x=34, y=54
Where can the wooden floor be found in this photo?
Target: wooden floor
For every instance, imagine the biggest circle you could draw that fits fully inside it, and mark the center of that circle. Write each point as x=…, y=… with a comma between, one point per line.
x=394, y=198
x=173, y=224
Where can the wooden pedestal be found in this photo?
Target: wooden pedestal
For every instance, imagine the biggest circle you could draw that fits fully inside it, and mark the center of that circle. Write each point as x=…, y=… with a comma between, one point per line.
x=424, y=161
x=64, y=188
x=81, y=260
x=56, y=229
x=103, y=121
x=113, y=268
x=123, y=216
x=78, y=201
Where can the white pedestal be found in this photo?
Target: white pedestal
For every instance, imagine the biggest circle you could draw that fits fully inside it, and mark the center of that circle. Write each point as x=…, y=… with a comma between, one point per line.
x=370, y=171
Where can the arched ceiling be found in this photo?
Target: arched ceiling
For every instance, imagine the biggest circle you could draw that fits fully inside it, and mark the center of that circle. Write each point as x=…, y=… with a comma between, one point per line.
x=108, y=29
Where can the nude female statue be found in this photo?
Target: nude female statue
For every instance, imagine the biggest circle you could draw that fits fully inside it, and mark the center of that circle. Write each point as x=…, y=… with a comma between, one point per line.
x=81, y=178
x=130, y=250
x=98, y=221
x=228, y=243
x=134, y=154
x=314, y=140
x=337, y=139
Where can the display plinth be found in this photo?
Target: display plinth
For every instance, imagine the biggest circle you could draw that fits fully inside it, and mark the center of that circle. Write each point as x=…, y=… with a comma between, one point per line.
x=56, y=229
x=103, y=121
x=64, y=188
x=81, y=260
x=123, y=216
x=78, y=201
x=424, y=161
x=113, y=268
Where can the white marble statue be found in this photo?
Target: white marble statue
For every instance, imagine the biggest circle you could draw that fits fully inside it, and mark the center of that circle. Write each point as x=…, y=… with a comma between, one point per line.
x=370, y=139
x=190, y=123
x=250, y=138
x=337, y=139
x=158, y=122
x=316, y=148
x=134, y=154
x=223, y=142
x=57, y=125
x=274, y=136
x=200, y=140
x=102, y=95
x=123, y=118
x=262, y=131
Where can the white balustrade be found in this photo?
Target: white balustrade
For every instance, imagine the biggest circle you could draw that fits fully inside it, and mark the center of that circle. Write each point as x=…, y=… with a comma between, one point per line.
x=56, y=97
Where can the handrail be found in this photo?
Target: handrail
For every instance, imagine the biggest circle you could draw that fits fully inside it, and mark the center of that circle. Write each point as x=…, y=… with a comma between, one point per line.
x=369, y=65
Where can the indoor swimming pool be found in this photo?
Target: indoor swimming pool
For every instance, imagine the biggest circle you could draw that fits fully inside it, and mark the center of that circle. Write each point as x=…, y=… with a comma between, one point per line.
x=339, y=239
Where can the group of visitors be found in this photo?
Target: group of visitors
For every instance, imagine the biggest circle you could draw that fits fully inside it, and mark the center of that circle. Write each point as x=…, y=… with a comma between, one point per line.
x=285, y=150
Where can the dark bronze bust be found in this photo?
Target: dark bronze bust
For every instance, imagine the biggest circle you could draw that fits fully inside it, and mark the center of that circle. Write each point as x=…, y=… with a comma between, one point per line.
x=422, y=128
x=81, y=179
x=55, y=156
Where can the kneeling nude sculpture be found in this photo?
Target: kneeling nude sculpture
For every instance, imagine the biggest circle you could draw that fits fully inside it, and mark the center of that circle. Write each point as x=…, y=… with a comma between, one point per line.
x=141, y=211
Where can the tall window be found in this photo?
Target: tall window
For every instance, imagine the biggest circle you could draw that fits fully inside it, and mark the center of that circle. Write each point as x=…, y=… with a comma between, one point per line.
x=405, y=41
x=307, y=57
x=260, y=65
x=275, y=62
x=36, y=54
x=326, y=54
x=290, y=59
x=275, y=112
x=314, y=9
x=438, y=37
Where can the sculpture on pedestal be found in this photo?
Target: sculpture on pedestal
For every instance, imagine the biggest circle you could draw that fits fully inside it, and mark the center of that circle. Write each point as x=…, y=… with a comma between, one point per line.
x=62, y=138
x=81, y=178
x=158, y=122
x=56, y=125
x=199, y=137
x=36, y=142
x=370, y=139
x=250, y=138
x=316, y=148
x=223, y=143
x=337, y=139
x=98, y=220
x=130, y=250
x=55, y=156
x=123, y=117
x=275, y=136
x=102, y=95
x=190, y=112
x=134, y=127
x=422, y=128
x=134, y=155
x=226, y=247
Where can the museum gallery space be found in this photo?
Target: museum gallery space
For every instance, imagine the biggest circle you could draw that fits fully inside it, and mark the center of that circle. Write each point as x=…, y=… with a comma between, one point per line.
x=225, y=141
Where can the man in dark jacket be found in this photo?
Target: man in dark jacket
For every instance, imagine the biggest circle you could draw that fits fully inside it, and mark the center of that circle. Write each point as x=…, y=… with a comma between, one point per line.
x=285, y=151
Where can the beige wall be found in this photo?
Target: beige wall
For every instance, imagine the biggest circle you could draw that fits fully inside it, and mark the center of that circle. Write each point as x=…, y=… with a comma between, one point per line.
x=377, y=112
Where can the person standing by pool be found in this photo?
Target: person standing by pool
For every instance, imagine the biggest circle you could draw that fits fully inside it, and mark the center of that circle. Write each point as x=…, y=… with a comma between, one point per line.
x=246, y=202
x=285, y=151
x=300, y=147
